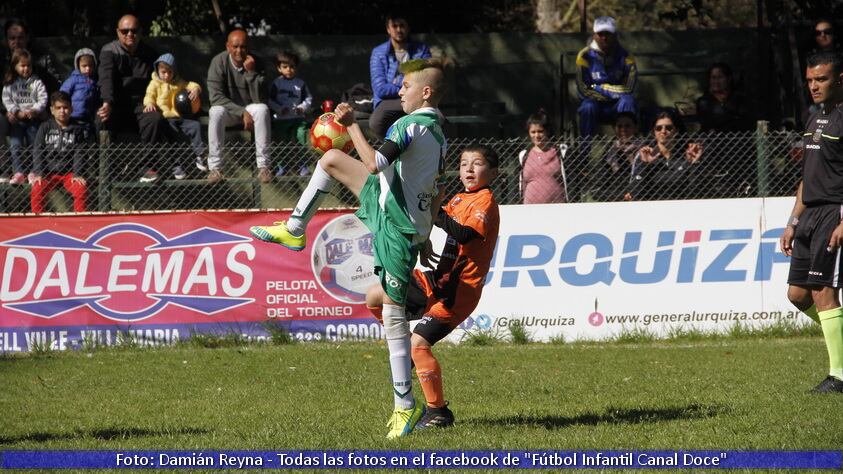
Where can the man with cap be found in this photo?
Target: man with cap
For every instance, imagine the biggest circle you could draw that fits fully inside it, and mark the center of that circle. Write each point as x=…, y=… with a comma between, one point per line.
x=606, y=77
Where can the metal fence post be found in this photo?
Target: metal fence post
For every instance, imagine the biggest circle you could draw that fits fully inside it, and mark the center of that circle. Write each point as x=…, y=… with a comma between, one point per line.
x=103, y=181
x=761, y=155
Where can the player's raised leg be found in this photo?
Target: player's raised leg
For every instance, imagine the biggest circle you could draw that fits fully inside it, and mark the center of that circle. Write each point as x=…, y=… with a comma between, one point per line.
x=333, y=166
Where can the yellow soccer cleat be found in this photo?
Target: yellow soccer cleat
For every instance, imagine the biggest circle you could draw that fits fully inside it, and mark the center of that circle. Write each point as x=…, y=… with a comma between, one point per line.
x=278, y=234
x=402, y=421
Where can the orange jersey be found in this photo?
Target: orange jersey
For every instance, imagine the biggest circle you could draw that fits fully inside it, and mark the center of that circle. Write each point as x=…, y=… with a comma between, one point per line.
x=454, y=288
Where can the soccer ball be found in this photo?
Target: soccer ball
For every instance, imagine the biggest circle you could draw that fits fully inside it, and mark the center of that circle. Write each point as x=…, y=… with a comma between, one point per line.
x=184, y=106
x=343, y=259
x=326, y=133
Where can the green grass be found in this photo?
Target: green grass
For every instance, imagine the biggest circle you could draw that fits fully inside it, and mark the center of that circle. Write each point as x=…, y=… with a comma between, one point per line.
x=709, y=394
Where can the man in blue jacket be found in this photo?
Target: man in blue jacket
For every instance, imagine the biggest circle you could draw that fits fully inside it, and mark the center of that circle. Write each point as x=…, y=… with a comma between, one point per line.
x=386, y=80
x=606, y=77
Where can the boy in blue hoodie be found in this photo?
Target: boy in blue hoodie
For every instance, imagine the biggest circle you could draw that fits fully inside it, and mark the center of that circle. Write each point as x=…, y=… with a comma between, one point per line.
x=83, y=89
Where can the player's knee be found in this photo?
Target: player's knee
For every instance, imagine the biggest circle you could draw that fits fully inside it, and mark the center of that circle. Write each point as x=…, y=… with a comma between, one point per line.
x=800, y=297
x=419, y=341
x=374, y=296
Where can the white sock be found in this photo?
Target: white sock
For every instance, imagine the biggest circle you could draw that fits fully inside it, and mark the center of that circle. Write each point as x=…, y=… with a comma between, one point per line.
x=318, y=187
x=397, y=331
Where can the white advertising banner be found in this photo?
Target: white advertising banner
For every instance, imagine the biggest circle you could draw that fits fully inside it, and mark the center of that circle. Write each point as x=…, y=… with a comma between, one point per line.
x=594, y=270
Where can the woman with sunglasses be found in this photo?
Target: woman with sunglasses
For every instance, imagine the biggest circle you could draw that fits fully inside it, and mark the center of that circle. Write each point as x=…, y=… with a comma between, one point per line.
x=669, y=169
x=824, y=37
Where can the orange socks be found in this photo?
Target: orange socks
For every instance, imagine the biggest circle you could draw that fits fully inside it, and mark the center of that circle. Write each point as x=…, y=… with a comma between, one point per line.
x=430, y=376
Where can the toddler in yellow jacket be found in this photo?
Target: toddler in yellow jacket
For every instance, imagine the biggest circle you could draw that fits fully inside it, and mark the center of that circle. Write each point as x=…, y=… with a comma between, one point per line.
x=162, y=94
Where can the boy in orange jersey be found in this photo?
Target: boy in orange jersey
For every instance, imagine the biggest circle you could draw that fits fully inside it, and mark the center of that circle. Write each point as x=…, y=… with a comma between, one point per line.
x=443, y=298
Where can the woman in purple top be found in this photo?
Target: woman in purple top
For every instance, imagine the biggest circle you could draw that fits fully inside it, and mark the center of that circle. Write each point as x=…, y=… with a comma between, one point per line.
x=542, y=168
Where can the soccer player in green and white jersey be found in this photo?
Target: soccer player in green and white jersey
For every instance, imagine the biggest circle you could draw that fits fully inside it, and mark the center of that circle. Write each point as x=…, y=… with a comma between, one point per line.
x=397, y=188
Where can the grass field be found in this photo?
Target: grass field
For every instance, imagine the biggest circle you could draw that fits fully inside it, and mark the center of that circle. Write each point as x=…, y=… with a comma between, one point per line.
x=721, y=393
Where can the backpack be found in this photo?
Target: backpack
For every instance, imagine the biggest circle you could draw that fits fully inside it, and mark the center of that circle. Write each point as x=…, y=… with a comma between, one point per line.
x=359, y=96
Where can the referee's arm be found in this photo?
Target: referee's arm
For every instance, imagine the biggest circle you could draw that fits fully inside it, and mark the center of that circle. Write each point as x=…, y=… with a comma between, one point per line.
x=786, y=240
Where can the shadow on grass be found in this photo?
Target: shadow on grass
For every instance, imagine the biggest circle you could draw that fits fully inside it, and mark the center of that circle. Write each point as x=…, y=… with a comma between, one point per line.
x=617, y=416
x=106, y=434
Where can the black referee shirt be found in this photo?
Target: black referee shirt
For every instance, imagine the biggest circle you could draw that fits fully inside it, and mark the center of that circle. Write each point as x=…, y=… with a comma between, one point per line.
x=822, y=165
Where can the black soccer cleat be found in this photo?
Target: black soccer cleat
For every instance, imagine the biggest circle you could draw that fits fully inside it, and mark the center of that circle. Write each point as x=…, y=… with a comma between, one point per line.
x=828, y=385
x=436, y=418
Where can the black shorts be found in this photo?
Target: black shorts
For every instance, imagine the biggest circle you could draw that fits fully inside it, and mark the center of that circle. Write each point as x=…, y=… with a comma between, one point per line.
x=811, y=263
x=432, y=329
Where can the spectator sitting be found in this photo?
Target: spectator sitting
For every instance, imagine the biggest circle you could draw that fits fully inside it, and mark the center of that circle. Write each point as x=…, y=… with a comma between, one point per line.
x=721, y=109
x=615, y=171
x=606, y=77
x=386, y=79
x=824, y=38
x=83, y=89
x=44, y=65
x=161, y=93
x=58, y=155
x=289, y=100
x=236, y=85
x=125, y=66
x=667, y=170
x=25, y=100
x=542, y=168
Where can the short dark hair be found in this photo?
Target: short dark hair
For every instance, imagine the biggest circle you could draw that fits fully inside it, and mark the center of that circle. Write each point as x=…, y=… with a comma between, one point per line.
x=15, y=22
x=489, y=153
x=672, y=116
x=628, y=115
x=395, y=16
x=538, y=118
x=826, y=57
x=287, y=57
x=60, y=96
x=724, y=68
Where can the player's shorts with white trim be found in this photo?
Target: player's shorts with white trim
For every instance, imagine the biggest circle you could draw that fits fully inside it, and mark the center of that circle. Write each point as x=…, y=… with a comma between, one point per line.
x=395, y=253
x=811, y=262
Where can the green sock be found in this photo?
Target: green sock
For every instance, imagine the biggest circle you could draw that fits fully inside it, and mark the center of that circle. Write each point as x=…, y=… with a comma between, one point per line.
x=832, y=323
x=812, y=313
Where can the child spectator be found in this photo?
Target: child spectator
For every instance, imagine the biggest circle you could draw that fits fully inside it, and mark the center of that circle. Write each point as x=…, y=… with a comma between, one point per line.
x=25, y=100
x=611, y=181
x=58, y=155
x=83, y=89
x=542, y=170
x=289, y=100
x=161, y=95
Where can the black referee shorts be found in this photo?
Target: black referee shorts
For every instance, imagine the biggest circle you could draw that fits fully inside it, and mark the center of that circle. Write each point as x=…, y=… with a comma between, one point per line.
x=811, y=264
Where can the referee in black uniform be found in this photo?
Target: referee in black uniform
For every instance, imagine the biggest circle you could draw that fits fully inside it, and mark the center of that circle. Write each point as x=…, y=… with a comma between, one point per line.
x=814, y=232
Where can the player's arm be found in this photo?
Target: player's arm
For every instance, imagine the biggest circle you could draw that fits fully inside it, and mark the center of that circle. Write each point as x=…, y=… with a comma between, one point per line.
x=461, y=233
x=786, y=239
x=367, y=154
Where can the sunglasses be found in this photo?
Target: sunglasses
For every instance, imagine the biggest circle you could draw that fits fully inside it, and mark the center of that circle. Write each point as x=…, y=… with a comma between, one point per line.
x=825, y=32
x=126, y=31
x=667, y=128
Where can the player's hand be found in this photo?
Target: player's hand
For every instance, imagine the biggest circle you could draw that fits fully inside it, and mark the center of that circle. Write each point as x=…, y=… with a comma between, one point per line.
x=427, y=257
x=836, y=239
x=693, y=153
x=646, y=153
x=249, y=63
x=345, y=114
x=104, y=111
x=193, y=94
x=78, y=180
x=11, y=117
x=248, y=121
x=149, y=108
x=786, y=240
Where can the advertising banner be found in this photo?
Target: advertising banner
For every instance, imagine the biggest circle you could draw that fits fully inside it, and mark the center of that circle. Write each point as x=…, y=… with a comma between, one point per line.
x=158, y=278
x=576, y=271
x=594, y=271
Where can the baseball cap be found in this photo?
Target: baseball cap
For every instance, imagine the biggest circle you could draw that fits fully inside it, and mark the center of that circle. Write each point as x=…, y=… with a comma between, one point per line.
x=604, y=23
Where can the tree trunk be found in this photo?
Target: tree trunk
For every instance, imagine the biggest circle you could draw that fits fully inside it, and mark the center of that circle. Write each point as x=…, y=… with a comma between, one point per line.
x=549, y=15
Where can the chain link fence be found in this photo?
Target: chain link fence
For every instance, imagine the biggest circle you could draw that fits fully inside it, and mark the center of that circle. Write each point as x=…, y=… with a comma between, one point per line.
x=592, y=170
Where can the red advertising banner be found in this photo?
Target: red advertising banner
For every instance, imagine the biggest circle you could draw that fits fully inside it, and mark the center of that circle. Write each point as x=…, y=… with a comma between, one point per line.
x=68, y=281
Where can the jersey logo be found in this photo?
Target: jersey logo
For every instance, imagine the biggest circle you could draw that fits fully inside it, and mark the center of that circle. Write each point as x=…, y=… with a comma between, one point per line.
x=480, y=216
x=817, y=136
